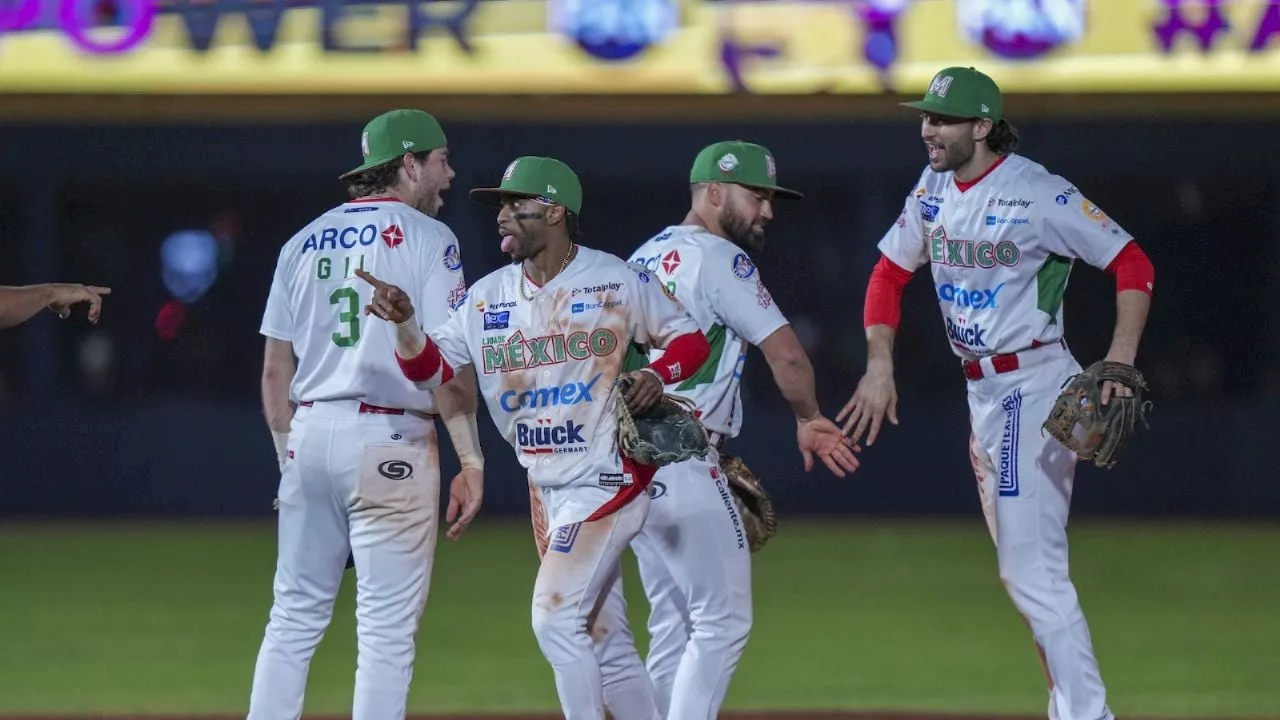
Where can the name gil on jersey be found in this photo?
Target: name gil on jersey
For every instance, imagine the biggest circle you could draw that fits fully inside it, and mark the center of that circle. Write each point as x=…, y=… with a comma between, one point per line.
x=347, y=237
x=967, y=253
x=518, y=353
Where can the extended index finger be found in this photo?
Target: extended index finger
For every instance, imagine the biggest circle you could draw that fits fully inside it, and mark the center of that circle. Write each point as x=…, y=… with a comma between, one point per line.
x=365, y=276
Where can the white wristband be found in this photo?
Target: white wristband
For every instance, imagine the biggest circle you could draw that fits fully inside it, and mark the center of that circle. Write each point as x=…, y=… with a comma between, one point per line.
x=410, y=339
x=281, y=439
x=466, y=440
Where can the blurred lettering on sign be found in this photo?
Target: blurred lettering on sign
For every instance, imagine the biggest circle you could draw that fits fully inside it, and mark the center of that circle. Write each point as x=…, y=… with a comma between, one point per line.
x=633, y=46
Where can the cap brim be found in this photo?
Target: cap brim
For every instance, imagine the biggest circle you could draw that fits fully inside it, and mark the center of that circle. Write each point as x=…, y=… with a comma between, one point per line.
x=491, y=196
x=933, y=106
x=778, y=192
x=367, y=166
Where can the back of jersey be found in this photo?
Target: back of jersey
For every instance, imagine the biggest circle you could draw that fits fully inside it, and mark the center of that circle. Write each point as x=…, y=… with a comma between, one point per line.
x=317, y=301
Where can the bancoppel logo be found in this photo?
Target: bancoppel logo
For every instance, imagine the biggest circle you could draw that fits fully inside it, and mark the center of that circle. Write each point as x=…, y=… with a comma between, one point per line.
x=581, y=307
x=993, y=220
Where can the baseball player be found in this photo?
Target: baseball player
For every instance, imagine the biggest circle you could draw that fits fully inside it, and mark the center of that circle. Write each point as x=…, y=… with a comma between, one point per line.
x=1001, y=234
x=692, y=555
x=548, y=335
x=359, y=461
x=20, y=304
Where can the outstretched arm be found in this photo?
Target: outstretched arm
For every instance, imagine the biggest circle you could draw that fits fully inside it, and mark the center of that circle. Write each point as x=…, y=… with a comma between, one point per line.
x=20, y=304
x=793, y=374
x=419, y=358
x=876, y=396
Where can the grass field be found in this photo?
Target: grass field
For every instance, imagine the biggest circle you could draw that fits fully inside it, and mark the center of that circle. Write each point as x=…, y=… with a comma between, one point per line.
x=856, y=615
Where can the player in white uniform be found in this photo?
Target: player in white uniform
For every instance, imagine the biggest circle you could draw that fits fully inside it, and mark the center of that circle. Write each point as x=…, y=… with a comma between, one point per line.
x=1001, y=234
x=548, y=335
x=692, y=553
x=360, y=472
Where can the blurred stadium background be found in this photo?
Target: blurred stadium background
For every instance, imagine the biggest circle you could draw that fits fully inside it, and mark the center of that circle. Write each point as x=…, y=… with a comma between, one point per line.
x=167, y=148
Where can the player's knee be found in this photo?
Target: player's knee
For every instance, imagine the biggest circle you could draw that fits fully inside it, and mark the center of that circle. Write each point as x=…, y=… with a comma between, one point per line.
x=555, y=625
x=1032, y=591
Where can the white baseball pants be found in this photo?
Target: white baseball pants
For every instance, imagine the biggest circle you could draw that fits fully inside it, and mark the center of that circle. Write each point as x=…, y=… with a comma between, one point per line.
x=1025, y=479
x=369, y=485
x=580, y=566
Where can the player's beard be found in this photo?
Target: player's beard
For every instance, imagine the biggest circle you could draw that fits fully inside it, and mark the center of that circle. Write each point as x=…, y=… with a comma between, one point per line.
x=957, y=154
x=429, y=203
x=741, y=232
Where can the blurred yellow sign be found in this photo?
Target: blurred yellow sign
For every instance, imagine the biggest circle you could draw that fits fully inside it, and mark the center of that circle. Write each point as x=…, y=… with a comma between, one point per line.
x=633, y=46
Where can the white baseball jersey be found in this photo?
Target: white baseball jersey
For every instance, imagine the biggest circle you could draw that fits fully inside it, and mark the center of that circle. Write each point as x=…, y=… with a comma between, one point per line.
x=1001, y=252
x=723, y=291
x=546, y=366
x=317, y=302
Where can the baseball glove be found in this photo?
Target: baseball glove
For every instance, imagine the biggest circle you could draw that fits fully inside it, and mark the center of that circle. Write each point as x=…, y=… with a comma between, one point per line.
x=753, y=502
x=1091, y=430
x=666, y=433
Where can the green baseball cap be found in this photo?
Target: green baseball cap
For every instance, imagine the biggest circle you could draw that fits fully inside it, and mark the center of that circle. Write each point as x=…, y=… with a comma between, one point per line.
x=962, y=92
x=740, y=163
x=394, y=133
x=530, y=176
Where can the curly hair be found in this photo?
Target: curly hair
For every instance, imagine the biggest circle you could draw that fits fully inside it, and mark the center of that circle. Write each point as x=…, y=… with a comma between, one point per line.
x=379, y=178
x=1003, y=138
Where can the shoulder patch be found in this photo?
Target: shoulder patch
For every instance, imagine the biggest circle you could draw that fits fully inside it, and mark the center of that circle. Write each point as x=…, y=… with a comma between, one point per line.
x=452, y=258
x=743, y=268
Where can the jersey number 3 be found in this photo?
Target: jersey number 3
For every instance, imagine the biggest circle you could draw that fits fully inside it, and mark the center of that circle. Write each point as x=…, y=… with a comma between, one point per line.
x=349, y=316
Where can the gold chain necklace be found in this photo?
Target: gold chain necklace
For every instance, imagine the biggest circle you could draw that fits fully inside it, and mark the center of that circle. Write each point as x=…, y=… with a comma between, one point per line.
x=564, y=264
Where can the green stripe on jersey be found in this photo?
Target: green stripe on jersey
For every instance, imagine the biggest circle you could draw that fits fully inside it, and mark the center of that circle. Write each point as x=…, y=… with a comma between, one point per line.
x=1051, y=284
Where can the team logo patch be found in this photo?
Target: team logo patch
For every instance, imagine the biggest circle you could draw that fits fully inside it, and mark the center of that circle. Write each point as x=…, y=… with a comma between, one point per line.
x=671, y=261
x=395, y=470
x=940, y=86
x=511, y=169
x=743, y=268
x=364, y=143
x=1008, y=462
x=728, y=162
x=452, y=259
x=564, y=537
x=393, y=236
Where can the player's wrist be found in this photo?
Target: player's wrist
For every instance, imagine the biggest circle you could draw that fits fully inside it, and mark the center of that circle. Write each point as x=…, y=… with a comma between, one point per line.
x=650, y=370
x=410, y=339
x=465, y=436
x=281, y=441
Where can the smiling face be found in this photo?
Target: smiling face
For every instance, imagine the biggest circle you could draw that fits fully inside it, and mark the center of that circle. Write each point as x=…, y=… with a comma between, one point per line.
x=951, y=142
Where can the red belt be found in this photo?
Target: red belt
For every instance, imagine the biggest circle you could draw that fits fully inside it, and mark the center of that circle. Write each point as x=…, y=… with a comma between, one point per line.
x=1007, y=362
x=366, y=409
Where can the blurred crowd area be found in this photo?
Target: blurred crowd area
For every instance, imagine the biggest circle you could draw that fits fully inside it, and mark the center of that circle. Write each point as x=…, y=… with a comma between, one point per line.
x=190, y=259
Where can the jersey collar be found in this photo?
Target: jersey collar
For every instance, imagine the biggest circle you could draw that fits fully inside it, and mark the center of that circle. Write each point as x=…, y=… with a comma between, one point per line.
x=964, y=186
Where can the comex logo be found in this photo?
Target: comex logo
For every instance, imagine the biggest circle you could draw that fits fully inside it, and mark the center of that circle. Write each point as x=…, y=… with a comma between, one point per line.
x=571, y=393
x=977, y=299
x=395, y=469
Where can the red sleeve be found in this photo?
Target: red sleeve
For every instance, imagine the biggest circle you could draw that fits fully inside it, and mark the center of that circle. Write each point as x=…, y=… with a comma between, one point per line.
x=884, y=294
x=1133, y=270
x=683, y=357
x=425, y=365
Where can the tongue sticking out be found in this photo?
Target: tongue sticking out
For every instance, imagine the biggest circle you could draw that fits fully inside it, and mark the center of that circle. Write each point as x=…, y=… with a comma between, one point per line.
x=508, y=243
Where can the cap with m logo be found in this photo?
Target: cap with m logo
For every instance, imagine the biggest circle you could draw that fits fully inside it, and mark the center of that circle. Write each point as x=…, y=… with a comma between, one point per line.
x=963, y=93
x=392, y=134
